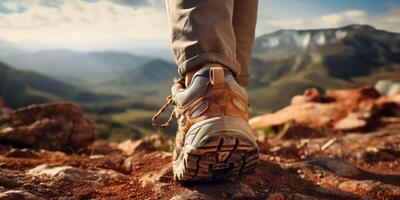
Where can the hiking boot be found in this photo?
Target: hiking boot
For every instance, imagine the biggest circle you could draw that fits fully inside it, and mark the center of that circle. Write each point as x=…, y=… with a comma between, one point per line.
x=214, y=140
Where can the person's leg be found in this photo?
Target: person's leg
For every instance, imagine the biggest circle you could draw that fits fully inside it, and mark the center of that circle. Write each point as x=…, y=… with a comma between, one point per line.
x=244, y=24
x=214, y=140
x=202, y=32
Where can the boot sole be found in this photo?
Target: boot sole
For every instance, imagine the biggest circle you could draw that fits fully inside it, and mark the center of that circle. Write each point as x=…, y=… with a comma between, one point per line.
x=213, y=152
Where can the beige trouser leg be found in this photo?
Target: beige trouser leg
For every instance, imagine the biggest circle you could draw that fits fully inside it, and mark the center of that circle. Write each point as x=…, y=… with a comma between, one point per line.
x=244, y=24
x=211, y=31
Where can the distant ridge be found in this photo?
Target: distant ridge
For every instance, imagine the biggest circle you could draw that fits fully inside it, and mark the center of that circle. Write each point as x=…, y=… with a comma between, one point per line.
x=77, y=68
x=21, y=88
x=288, y=61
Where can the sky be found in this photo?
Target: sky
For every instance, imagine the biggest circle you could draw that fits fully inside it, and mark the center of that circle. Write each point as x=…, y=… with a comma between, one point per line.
x=142, y=25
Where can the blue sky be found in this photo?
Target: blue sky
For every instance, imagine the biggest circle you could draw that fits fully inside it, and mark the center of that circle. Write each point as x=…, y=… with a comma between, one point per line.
x=321, y=7
x=139, y=24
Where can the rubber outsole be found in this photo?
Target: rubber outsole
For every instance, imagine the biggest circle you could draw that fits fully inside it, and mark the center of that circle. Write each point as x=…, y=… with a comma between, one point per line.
x=218, y=157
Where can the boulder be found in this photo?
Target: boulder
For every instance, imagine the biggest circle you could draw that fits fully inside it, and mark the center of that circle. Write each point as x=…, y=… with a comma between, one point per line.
x=310, y=95
x=145, y=145
x=18, y=195
x=370, y=188
x=21, y=153
x=74, y=175
x=337, y=110
x=50, y=126
x=387, y=87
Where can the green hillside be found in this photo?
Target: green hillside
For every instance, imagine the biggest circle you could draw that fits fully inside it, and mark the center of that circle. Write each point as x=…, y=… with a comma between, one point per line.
x=151, y=82
x=22, y=88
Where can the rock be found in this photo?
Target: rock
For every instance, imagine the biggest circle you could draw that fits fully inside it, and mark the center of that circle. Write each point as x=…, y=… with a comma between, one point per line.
x=358, y=118
x=244, y=191
x=9, y=183
x=336, y=166
x=215, y=191
x=102, y=148
x=310, y=95
x=352, y=96
x=11, y=179
x=370, y=188
x=21, y=153
x=164, y=175
x=362, y=163
x=158, y=181
x=76, y=175
x=298, y=131
x=18, y=195
x=337, y=110
x=49, y=126
x=380, y=154
x=62, y=172
x=190, y=194
x=383, y=86
x=276, y=196
x=145, y=145
x=127, y=164
x=394, y=89
x=350, y=122
x=387, y=87
x=285, y=195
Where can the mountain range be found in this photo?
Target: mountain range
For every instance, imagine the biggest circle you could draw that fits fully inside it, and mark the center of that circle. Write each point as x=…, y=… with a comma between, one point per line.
x=284, y=63
x=77, y=68
x=287, y=62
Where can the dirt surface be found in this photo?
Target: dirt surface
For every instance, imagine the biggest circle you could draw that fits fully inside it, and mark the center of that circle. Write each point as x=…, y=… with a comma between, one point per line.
x=353, y=166
x=297, y=161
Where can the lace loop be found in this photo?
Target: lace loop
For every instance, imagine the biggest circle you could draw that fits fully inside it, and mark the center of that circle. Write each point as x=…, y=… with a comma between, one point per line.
x=170, y=101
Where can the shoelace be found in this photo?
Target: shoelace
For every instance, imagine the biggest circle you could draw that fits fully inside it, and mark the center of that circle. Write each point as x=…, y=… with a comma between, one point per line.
x=170, y=101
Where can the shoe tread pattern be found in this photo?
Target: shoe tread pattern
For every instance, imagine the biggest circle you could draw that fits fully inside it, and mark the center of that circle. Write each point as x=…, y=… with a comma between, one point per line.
x=220, y=158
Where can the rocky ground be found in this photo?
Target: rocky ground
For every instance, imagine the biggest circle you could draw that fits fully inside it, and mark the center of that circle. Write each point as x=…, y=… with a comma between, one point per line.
x=344, y=145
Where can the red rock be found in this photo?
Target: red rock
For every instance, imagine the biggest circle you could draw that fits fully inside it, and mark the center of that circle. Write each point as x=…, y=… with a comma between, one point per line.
x=310, y=95
x=21, y=153
x=353, y=95
x=49, y=126
x=147, y=144
x=338, y=110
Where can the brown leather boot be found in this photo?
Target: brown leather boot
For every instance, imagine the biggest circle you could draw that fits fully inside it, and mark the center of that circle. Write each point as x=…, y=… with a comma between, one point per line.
x=214, y=140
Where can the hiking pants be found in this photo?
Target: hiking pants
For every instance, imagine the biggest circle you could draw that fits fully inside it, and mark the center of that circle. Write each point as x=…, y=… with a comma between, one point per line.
x=219, y=31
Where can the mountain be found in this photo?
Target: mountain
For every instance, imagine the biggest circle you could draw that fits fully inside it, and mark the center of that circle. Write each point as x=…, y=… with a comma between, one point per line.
x=9, y=49
x=21, y=88
x=286, y=62
x=151, y=79
x=77, y=68
x=152, y=73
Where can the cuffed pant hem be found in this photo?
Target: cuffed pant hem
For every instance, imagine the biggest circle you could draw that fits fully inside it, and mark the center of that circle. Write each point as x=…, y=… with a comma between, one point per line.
x=201, y=59
x=243, y=80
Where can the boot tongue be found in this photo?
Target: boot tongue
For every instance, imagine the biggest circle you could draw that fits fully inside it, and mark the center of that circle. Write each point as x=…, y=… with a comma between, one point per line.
x=201, y=72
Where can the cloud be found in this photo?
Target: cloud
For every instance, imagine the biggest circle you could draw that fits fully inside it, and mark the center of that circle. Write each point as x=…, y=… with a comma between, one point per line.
x=349, y=16
x=134, y=3
x=77, y=23
x=92, y=24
